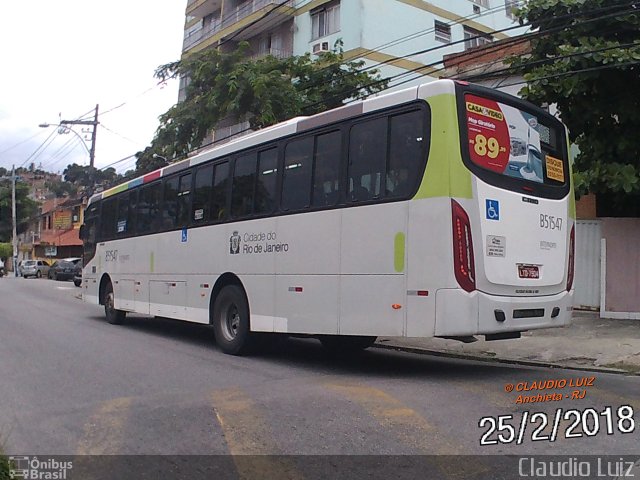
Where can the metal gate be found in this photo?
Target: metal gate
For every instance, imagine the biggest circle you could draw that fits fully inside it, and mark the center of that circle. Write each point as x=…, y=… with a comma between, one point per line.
x=587, y=269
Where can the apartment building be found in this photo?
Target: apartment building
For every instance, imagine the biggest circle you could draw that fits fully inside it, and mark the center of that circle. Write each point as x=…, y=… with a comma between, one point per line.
x=405, y=39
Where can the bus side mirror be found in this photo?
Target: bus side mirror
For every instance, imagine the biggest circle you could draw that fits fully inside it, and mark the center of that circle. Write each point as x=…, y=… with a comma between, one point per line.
x=82, y=232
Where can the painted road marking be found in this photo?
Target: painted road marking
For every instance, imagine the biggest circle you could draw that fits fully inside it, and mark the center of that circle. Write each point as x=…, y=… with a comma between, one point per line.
x=248, y=437
x=410, y=427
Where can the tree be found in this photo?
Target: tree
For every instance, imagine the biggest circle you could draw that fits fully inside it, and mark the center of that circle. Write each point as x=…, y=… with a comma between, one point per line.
x=149, y=159
x=586, y=60
x=86, y=177
x=265, y=91
x=6, y=250
x=61, y=188
x=25, y=209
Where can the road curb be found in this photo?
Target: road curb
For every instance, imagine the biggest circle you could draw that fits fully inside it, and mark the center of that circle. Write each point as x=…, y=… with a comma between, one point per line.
x=506, y=361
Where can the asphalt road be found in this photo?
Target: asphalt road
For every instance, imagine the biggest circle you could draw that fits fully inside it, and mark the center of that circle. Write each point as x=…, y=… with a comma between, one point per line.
x=71, y=384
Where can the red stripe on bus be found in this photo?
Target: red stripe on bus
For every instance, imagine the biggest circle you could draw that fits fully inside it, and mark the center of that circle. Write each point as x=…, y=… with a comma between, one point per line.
x=151, y=177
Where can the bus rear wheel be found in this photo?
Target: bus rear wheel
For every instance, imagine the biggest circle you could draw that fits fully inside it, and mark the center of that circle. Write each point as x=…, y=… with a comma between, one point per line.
x=230, y=321
x=114, y=317
x=344, y=344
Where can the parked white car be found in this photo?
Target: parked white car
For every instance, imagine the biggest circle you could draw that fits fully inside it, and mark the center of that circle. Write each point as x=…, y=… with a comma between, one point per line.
x=34, y=268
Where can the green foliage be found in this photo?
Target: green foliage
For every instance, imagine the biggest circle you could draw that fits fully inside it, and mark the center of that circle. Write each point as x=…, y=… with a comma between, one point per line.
x=149, y=159
x=4, y=467
x=61, y=188
x=588, y=64
x=265, y=91
x=25, y=209
x=6, y=250
x=86, y=177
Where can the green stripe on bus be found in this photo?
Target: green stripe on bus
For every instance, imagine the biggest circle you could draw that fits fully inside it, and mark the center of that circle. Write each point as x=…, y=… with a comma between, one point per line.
x=445, y=174
x=398, y=252
x=113, y=191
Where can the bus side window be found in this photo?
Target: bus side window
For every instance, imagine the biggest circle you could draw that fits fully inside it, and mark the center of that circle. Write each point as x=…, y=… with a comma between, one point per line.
x=131, y=215
x=367, y=159
x=123, y=214
x=296, y=182
x=406, y=151
x=266, y=183
x=326, y=169
x=202, y=194
x=170, y=203
x=220, y=192
x=148, y=210
x=108, y=220
x=244, y=175
x=184, y=200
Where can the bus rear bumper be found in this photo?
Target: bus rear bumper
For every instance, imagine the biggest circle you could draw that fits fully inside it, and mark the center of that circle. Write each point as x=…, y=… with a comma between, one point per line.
x=477, y=313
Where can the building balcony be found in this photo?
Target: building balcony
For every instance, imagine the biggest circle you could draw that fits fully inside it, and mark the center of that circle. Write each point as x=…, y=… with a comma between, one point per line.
x=249, y=16
x=202, y=8
x=281, y=54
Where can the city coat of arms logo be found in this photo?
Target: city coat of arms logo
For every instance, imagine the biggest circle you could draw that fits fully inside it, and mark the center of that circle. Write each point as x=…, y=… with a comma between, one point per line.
x=234, y=243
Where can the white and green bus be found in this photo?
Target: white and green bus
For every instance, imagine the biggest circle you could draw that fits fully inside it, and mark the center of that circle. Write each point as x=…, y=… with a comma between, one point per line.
x=444, y=210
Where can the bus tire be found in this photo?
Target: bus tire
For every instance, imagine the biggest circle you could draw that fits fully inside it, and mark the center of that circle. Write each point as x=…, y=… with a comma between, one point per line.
x=231, y=321
x=114, y=317
x=344, y=344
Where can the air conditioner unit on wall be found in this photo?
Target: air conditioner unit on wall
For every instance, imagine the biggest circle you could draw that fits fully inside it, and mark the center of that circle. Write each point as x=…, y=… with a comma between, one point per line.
x=320, y=47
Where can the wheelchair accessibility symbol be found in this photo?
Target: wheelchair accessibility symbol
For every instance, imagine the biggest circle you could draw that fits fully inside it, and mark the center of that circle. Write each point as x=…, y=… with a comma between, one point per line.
x=493, y=210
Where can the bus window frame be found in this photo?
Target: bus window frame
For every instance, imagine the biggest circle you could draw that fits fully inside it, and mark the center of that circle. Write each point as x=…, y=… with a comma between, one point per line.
x=343, y=126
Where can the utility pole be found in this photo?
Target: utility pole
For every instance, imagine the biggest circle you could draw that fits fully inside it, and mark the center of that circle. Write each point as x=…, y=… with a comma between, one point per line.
x=94, y=123
x=13, y=217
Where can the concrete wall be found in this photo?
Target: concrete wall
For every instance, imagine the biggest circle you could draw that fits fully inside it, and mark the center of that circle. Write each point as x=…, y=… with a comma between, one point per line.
x=622, y=291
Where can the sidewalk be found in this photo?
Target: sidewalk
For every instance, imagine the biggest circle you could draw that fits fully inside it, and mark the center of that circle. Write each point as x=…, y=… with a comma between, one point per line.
x=588, y=343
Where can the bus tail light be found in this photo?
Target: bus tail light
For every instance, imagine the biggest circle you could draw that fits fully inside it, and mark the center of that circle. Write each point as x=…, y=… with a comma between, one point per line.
x=463, y=262
x=572, y=253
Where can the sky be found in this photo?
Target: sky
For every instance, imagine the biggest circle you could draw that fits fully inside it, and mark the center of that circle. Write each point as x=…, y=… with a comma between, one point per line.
x=64, y=57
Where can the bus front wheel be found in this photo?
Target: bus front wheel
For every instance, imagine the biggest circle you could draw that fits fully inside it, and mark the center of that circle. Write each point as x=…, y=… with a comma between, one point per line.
x=114, y=317
x=231, y=320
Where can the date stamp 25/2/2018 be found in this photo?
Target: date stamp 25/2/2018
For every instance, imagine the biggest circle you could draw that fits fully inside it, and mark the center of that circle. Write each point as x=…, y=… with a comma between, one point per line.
x=588, y=422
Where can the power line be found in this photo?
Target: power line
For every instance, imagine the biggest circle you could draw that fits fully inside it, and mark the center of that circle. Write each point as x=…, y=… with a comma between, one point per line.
x=511, y=41
x=67, y=153
x=388, y=44
x=119, y=135
x=37, y=149
x=554, y=19
x=515, y=40
x=416, y=71
x=40, y=132
x=134, y=98
x=118, y=161
x=573, y=72
x=516, y=68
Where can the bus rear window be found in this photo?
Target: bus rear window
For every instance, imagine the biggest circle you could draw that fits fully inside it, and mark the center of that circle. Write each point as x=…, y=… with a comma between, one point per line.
x=515, y=143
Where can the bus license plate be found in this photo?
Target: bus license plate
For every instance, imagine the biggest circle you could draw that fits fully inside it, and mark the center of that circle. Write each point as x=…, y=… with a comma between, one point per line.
x=528, y=271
